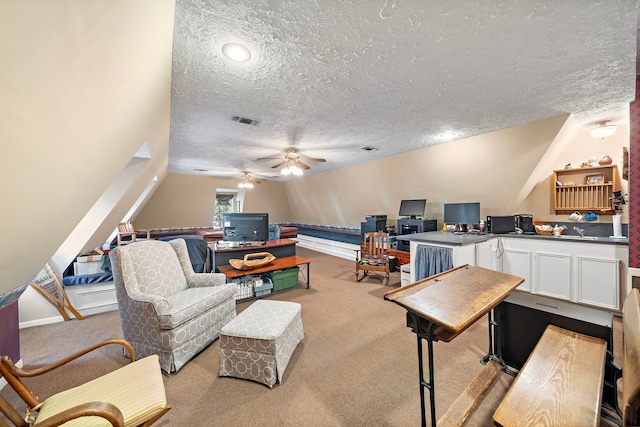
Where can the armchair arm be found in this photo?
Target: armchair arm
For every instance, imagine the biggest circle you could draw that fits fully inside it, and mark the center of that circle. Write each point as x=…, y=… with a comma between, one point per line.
x=200, y=280
x=104, y=410
x=26, y=373
x=12, y=374
x=159, y=303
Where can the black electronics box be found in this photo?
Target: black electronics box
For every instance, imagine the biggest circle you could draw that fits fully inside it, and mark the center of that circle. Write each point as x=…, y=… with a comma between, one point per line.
x=503, y=224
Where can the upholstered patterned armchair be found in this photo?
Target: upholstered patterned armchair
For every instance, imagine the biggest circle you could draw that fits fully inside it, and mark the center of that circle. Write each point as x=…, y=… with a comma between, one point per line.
x=166, y=308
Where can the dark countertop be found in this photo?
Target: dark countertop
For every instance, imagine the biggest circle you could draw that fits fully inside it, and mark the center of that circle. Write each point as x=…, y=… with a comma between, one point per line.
x=462, y=239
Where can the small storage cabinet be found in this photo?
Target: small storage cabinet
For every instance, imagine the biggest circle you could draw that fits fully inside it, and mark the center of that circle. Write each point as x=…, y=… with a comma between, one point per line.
x=585, y=189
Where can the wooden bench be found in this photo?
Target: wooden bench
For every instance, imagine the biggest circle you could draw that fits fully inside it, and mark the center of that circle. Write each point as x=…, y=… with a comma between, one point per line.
x=561, y=382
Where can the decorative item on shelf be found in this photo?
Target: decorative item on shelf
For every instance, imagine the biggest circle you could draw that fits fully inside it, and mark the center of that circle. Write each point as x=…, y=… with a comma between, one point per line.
x=594, y=179
x=249, y=262
x=605, y=160
x=568, y=166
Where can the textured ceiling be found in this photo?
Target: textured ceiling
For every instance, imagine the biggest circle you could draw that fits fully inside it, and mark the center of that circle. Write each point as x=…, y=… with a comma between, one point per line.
x=330, y=77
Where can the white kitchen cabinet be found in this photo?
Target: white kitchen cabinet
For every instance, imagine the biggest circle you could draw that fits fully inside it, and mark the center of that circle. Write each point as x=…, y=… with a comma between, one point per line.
x=517, y=259
x=487, y=255
x=508, y=256
x=598, y=281
x=553, y=275
x=581, y=272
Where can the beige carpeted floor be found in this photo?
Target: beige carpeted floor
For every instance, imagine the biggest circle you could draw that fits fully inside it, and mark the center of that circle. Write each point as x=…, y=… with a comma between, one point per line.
x=357, y=364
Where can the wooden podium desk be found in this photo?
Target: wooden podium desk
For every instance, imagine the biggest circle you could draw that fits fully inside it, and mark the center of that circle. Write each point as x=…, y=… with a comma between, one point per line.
x=278, y=248
x=441, y=307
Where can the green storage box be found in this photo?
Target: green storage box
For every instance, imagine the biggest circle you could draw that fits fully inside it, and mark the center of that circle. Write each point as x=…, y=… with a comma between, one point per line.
x=285, y=279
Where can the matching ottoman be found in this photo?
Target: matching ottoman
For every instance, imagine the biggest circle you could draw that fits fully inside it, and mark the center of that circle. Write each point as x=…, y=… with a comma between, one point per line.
x=258, y=343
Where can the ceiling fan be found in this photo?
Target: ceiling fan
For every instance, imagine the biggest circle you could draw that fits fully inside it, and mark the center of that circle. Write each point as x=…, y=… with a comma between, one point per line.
x=293, y=161
x=247, y=181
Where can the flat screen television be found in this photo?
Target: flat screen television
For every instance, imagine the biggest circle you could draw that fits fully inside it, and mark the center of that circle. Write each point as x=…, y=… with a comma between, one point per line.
x=462, y=213
x=245, y=227
x=412, y=208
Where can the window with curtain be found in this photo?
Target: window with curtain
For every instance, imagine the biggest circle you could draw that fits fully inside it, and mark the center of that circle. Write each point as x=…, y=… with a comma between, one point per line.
x=225, y=202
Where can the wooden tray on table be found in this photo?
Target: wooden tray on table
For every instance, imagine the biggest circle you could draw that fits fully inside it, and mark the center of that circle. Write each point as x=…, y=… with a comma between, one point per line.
x=251, y=261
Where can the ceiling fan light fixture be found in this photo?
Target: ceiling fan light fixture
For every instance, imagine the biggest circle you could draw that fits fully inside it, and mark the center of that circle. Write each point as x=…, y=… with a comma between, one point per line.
x=603, y=130
x=245, y=181
x=291, y=169
x=236, y=52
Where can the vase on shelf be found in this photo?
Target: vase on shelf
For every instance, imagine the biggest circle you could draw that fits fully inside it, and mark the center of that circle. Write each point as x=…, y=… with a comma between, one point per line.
x=605, y=161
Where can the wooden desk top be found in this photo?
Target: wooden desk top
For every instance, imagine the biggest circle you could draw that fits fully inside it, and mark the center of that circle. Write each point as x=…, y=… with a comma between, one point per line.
x=276, y=264
x=261, y=248
x=457, y=298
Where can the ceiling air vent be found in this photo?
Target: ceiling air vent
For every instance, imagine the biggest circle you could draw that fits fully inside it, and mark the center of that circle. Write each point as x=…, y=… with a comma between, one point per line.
x=245, y=120
x=369, y=148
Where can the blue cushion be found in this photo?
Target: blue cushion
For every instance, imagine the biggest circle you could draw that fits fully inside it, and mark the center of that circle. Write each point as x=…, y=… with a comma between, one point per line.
x=86, y=279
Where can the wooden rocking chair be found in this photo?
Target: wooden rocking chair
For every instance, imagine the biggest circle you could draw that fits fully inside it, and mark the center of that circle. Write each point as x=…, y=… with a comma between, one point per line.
x=133, y=395
x=373, y=256
x=47, y=284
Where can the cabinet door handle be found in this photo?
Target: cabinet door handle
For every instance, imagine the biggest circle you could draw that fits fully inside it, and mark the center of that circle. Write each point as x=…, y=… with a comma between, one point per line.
x=547, y=305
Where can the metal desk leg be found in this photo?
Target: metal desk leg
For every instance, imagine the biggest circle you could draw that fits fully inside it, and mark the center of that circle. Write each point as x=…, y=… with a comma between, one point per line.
x=494, y=343
x=308, y=274
x=424, y=384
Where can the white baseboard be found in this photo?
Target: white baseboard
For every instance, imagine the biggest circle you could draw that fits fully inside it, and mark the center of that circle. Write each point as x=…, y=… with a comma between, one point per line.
x=39, y=322
x=87, y=299
x=329, y=247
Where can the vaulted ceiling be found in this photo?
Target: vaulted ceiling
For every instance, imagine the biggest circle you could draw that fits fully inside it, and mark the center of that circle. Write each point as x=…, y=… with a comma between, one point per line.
x=333, y=77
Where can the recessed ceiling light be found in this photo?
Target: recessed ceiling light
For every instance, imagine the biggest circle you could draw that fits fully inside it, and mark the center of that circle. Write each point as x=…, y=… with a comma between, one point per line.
x=236, y=52
x=447, y=136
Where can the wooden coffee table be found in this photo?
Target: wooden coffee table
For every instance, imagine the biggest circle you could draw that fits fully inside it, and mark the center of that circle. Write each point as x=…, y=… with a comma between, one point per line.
x=275, y=265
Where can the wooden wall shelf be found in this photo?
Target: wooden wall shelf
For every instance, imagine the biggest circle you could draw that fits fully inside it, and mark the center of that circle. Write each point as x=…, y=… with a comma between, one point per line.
x=585, y=189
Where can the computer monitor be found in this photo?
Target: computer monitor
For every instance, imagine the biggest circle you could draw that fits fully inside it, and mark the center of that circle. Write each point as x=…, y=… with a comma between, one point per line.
x=412, y=208
x=462, y=213
x=245, y=227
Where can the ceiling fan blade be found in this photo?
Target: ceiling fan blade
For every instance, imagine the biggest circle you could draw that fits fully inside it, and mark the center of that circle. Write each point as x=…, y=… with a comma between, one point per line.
x=277, y=165
x=270, y=158
x=303, y=165
x=313, y=159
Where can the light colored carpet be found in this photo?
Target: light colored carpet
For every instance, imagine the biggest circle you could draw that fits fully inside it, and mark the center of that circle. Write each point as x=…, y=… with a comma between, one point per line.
x=356, y=366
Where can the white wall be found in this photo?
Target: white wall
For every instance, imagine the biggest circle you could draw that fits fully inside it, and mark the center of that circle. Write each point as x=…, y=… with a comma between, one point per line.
x=84, y=84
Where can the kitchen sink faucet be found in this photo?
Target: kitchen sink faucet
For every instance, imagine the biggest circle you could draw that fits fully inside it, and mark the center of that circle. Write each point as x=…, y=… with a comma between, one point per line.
x=579, y=230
